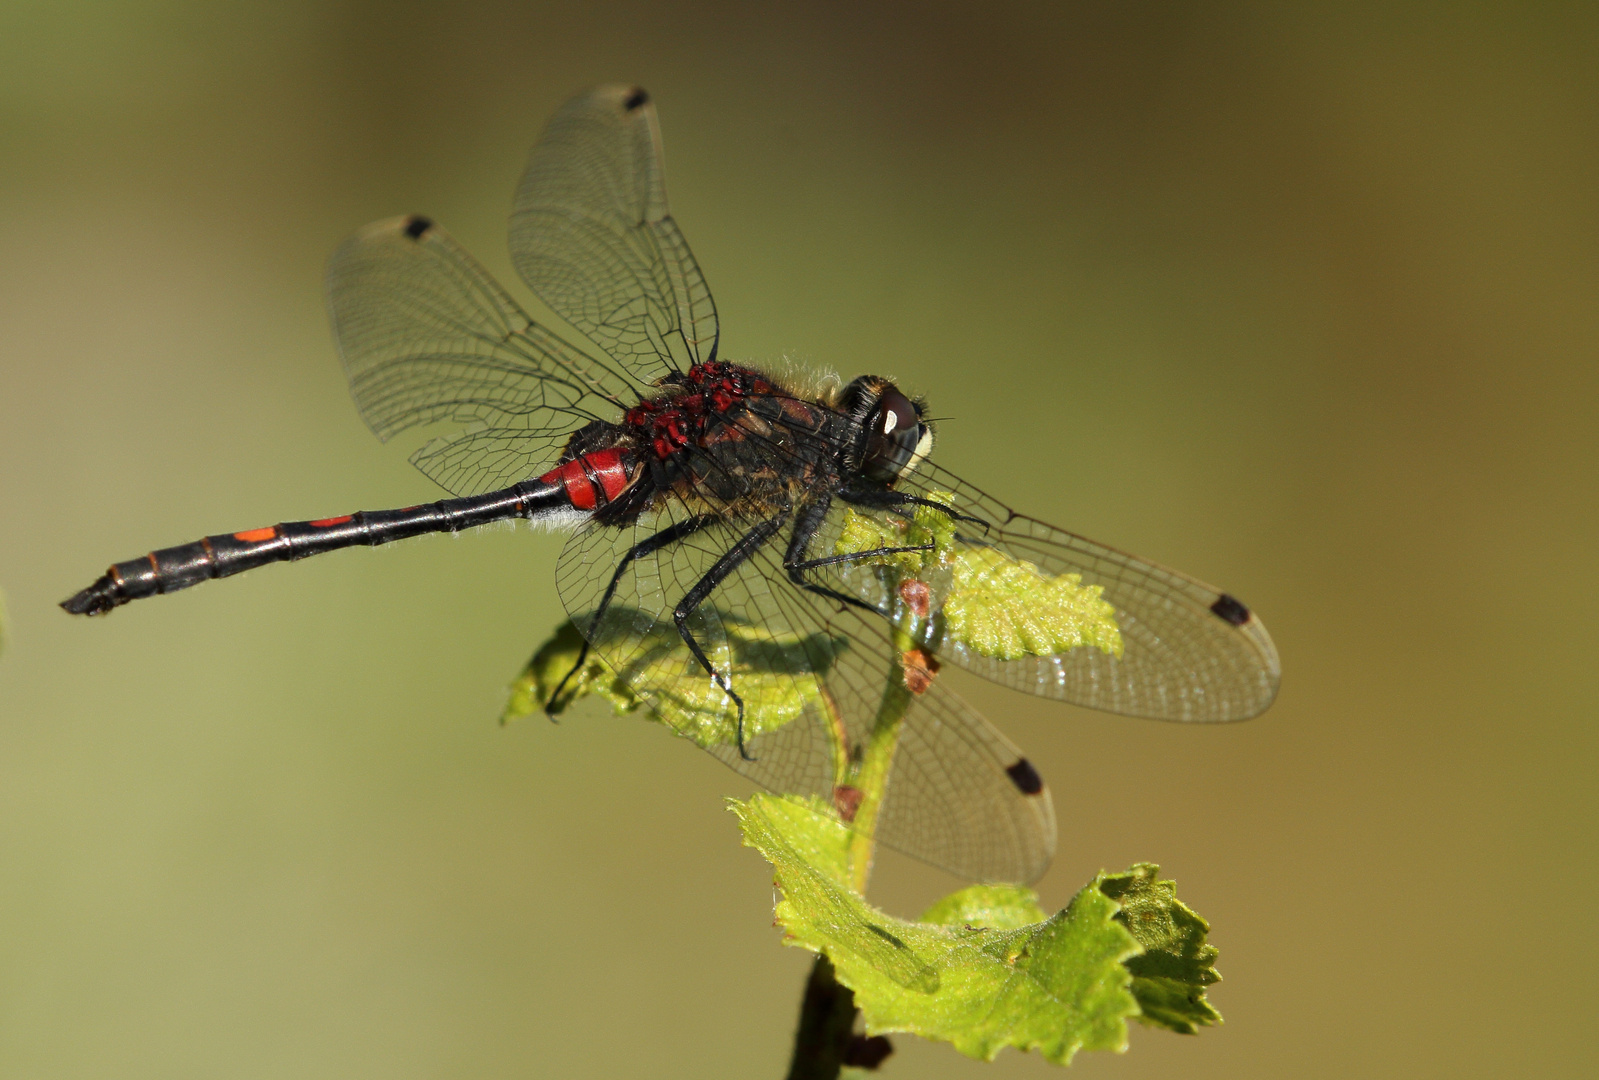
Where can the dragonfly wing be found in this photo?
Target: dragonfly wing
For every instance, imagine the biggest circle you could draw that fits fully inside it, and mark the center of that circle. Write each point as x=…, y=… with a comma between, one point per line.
x=427, y=337
x=812, y=678
x=961, y=795
x=592, y=236
x=772, y=656
x=1168, y=646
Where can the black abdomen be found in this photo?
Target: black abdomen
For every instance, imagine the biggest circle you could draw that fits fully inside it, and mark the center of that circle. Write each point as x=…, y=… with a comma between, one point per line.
x=174, y=568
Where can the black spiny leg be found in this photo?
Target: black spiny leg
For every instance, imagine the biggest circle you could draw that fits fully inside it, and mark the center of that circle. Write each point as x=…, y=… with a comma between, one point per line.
x=669, y=535
x=888, y=500
x=730, y=561
x=805, y=527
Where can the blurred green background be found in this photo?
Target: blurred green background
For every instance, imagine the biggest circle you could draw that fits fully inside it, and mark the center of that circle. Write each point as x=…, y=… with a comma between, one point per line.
x=1302, y=301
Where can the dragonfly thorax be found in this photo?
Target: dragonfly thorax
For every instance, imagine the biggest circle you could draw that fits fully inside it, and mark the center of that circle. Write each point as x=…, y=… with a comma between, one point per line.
x=729, y=438
x=691, y=405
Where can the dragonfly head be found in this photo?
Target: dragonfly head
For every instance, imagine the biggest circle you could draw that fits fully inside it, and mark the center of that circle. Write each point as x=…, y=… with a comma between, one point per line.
x=890, y=435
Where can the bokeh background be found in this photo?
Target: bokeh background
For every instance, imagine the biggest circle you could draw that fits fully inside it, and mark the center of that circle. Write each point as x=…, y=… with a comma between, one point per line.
x=1301, y=300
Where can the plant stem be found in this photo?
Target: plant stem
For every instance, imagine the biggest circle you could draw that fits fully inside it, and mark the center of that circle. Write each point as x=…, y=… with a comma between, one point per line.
x=827, y=1017
x=827, y=1020
x=876, y=761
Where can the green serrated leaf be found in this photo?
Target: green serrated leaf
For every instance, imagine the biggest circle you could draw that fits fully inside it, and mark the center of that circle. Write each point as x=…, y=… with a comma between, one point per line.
x=1000, y=907
x=996, y=605
x=1170, y=976
x=811, y=831
x=861, y=532
x=777, y=676
x=1008, y=608
x=1055, y=986
x=534, y=687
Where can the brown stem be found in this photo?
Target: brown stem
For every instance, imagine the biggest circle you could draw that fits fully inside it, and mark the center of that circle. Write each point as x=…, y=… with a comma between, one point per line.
x=827, y=1020
x=826, y=1039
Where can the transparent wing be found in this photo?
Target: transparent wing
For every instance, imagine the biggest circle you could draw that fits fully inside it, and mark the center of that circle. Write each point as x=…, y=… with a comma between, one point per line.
x=1179, y=649
x=427, y=336
x=592, y=236
x=812, y=677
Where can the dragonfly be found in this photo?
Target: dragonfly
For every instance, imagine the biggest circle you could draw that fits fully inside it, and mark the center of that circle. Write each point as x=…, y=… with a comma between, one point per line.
x=750, y=551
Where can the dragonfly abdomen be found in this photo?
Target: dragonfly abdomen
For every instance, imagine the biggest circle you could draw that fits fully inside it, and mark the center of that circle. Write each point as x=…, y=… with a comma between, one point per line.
x=174, y=568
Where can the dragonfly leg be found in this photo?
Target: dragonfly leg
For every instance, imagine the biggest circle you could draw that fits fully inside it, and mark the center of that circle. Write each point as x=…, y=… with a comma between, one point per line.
x=884, y=500
x=853, y=556
x=730, y=561
x=667, y=536
x=794, y=561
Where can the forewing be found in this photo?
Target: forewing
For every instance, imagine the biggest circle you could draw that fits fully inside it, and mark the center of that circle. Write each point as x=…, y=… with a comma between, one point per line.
x=427, y=336
x=592, y=236
x=1173, y=648
x=812, y=677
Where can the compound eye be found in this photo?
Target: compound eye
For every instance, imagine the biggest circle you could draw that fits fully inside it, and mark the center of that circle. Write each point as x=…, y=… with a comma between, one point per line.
x=893, y=431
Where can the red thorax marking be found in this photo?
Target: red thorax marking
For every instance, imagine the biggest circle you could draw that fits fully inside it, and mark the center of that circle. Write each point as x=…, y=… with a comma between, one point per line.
x=255, y=536
x=591, y=480
x=676, y=421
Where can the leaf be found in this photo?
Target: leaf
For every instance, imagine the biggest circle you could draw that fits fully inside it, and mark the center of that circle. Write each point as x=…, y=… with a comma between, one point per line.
x=533, y=689
x=1170, y=976
x=1057, y=985
x=1008, y=608
x=862, y=532
x=778, y=677
x=996, y=605
x=1003, y=907
x=811, y=832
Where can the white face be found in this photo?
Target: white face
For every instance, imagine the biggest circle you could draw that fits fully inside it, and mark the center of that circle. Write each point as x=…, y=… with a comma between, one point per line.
x=924, y=446
x=897, y=438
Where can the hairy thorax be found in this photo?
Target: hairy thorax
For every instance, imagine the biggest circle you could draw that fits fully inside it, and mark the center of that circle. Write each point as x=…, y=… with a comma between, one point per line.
x=726, y=440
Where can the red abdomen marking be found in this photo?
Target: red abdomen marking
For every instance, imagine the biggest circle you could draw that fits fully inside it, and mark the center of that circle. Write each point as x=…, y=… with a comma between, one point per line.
x=255, y=536
x=591, y=480
x=328, y=523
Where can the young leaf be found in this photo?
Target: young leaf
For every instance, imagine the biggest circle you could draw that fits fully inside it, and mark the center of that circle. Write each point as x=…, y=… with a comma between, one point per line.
x=777, y=675
x=994, y=604
x=1056, y=986
x=1008, y=608
x=533, y=689
x=1170, y=976
x=1002, y=907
